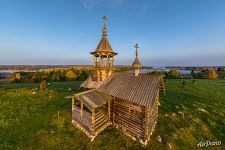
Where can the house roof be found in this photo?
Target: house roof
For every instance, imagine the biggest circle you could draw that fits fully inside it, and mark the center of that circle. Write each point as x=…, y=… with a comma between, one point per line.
x=136, y=63
x=89, y=83
x=104, y=46
x=140, y=90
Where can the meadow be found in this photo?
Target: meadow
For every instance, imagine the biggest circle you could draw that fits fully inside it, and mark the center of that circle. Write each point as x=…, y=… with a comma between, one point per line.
x=41, y=119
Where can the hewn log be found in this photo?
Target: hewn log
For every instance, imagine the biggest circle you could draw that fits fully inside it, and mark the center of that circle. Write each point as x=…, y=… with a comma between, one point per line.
x=109, y=109
x=101, y=123
x=113, y=110
x=81, y=108
x=146, y=122
x=93, y=118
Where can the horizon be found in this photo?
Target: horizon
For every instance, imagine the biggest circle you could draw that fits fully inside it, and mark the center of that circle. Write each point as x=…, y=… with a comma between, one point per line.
x=174, y=33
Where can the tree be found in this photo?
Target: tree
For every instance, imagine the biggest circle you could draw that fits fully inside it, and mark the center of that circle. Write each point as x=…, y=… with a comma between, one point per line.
x=212, y=75
x=173, y=73
x=70, y=75
x=43, y=85
x=16, y=77
x=55, y=78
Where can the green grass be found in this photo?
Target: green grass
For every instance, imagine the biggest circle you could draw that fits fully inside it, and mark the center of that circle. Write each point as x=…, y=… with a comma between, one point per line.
x=43, y=120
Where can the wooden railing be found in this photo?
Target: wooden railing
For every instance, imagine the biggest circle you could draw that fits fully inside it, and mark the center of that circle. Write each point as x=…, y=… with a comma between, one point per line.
x=85, y=119
x=103, y=65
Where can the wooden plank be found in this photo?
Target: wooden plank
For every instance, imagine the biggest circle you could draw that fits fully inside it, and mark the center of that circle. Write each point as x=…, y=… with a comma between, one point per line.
x=146, y=122
x=134, y=130
x=93, y=118
x=129, y=121
x=121, y=111
x=101, y=123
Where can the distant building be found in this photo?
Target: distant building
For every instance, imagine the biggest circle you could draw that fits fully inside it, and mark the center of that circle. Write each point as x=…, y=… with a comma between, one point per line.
x=125, y=100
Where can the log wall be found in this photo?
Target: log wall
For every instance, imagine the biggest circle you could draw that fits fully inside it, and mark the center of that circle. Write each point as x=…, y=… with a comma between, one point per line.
x=129, y=117
x=100, y=119
x=138, y=121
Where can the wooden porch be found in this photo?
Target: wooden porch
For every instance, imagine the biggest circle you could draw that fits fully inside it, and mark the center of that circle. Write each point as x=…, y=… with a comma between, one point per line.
x=91, y=112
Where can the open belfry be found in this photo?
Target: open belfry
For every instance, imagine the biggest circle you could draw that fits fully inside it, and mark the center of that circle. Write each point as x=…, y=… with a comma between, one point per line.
x=128, y=101
x=103, y=56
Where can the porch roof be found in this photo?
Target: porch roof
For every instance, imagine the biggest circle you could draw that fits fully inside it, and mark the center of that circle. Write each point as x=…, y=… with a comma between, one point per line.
x=92, y=98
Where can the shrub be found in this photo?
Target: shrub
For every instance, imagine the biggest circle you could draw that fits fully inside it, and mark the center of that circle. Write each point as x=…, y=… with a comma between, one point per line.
x=16, y=77
x=43, y=85
x=70, y=75
x=174, y=74
x=212, y=75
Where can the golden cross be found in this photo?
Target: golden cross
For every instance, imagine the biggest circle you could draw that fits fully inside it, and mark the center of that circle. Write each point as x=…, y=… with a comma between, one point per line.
x=105, y=19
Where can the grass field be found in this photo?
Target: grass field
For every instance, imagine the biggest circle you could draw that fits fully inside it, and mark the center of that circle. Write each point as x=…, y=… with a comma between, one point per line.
x=42, y=120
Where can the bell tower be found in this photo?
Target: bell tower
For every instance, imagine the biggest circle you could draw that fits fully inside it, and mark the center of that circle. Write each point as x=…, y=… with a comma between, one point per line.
x=103, y=56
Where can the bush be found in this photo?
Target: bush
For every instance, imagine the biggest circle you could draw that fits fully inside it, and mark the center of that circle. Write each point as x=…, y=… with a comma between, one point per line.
x=70, y=75
x=212, y=75
x=16, y=78
x=43, y=85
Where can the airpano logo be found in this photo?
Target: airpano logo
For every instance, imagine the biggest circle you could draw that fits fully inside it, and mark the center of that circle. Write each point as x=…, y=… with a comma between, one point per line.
x=208, y=143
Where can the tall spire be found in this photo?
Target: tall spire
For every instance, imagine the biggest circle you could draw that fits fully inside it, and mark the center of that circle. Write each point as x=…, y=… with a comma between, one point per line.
x=103, y=56
x=104, y=30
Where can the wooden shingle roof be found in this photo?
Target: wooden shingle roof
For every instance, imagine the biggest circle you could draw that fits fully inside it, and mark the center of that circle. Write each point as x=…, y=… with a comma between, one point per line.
x=92, y=98
x=142, y=89
x=89, y=83
x=104, y=48
x=104, y=45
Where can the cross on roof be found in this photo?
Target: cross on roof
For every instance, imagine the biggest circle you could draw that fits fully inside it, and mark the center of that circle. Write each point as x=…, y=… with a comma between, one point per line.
x=136, y=46
x=105, y=19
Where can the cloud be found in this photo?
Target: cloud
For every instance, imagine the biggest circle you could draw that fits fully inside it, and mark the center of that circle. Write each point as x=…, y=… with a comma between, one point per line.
x=91, y=4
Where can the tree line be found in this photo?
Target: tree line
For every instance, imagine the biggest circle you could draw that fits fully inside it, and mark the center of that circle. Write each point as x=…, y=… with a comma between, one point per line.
x=51, y=76
x=175, y=74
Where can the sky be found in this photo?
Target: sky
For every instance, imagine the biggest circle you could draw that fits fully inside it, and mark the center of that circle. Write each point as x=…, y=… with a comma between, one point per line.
x=61, y=32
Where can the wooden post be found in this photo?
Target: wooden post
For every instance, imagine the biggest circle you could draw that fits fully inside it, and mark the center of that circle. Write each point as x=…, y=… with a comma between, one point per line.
x=73, y=99
x=107, y=62
x=113, y=63
x=109, y=109
x=93, y=60
x=114, y=109
x=93, y=119
x=146, y=123
x=100, y=61
x=81, y=108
